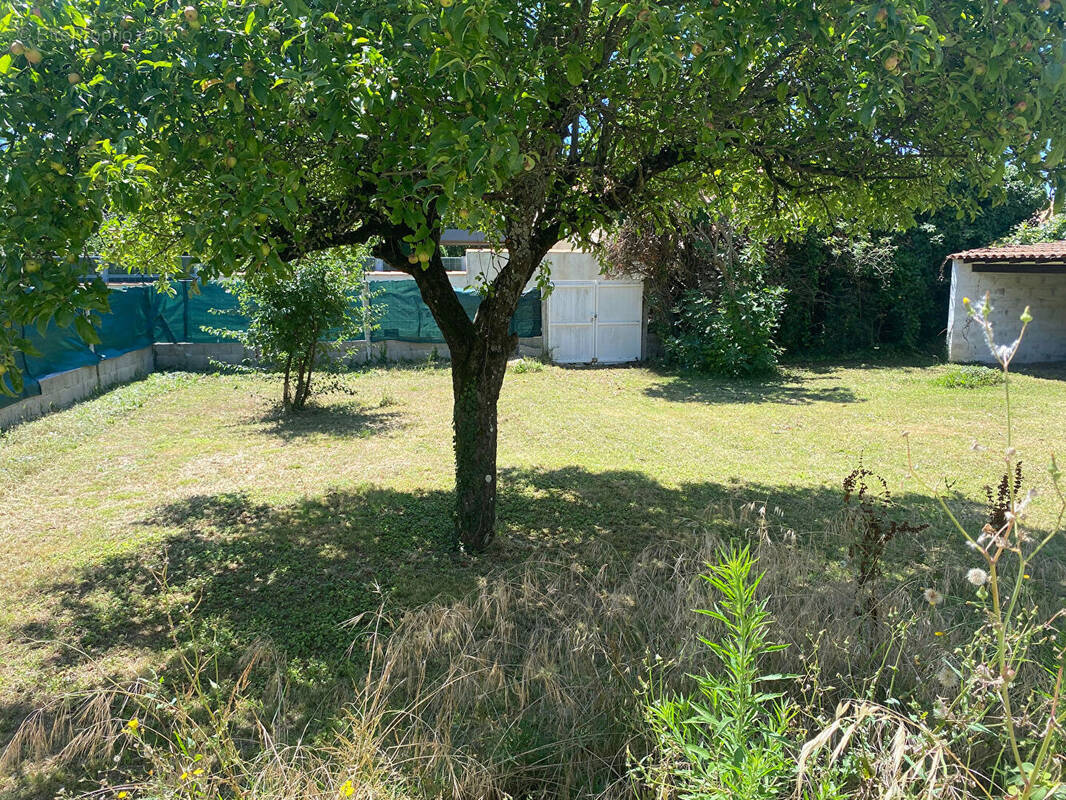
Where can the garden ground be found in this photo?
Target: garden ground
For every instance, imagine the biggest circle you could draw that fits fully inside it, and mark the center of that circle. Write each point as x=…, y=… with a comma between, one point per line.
x=287, y=528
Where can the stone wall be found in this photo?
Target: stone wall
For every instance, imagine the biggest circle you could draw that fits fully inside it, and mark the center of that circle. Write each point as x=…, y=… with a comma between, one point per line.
x=1010, y=293
x=64, y=389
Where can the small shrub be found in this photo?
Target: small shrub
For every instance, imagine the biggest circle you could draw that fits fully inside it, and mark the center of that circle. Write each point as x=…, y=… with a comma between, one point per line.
x=731, y=335
x=292, y=315
x=968, y=376
x=524, y=365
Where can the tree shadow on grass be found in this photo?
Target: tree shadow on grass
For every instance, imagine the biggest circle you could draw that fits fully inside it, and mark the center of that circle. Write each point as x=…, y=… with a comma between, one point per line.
x=1051, y=371
x=785, y=390
x=295, y=574
x=345, y=420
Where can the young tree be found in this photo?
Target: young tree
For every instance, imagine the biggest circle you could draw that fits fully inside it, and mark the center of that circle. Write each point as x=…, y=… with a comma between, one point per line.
x=279, y=129
x=293, y=315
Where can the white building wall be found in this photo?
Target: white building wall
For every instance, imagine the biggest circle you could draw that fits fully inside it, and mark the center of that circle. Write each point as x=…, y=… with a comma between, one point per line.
x=1009, y=293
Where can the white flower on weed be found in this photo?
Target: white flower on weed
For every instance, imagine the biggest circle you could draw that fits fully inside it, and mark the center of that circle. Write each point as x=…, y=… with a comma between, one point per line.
x=1023, y=504
x=977, y=576
x=988, y=535
x=977, y=446
x=947, y=677
x=1005, y=353
x=933, y=597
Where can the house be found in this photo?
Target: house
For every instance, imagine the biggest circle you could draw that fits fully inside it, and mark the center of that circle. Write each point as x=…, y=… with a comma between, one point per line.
x=1014, y=276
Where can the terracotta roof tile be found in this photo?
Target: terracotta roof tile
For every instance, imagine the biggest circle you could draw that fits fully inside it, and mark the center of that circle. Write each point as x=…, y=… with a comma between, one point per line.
x=1043, y=252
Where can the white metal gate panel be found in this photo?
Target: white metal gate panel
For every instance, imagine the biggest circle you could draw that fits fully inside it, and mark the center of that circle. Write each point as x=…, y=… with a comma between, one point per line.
x=595, y=321
x=572, y=322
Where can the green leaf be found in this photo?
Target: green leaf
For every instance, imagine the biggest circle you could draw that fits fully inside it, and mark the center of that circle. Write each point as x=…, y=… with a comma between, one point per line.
x=249, y=23
x=574, y=73
x=86, y=330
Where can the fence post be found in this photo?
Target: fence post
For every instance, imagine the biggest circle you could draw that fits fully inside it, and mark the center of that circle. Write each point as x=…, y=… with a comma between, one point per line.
x=364, y=297
x=185, y=310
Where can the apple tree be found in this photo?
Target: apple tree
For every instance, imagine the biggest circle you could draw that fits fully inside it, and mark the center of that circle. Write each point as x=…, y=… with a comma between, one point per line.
x=249, y=134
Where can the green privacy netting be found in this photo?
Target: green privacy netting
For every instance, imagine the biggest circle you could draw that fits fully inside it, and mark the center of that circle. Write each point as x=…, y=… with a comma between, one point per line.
x=141, y=315
x=184, y=317
x=124, y=329
x=402, y=316
x=30, y=387
x=128, y=326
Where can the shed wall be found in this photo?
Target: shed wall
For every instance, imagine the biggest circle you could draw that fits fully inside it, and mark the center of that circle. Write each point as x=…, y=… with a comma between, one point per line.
x=1010, y=293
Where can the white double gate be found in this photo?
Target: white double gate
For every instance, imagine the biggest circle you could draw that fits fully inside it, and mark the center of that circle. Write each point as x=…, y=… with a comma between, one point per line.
x=595, y=321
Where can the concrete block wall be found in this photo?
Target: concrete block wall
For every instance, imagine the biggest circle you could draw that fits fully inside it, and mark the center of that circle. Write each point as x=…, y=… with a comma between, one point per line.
x=197, y=357
x=1010, y=293
x=64, y=389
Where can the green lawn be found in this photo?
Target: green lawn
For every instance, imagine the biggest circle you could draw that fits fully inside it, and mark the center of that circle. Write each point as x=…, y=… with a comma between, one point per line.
x=287, y=528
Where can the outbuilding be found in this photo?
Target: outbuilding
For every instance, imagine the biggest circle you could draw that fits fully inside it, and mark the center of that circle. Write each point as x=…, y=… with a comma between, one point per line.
x=1014, y=276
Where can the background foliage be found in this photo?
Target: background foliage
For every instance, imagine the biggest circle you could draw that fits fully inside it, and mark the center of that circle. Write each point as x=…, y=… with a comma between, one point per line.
x=852, y=291
x=1045, y=229
x=845, y=292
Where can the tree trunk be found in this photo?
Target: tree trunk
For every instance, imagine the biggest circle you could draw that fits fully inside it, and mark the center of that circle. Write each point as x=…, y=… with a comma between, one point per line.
x=286, y=396
x=476, y=383
x=479, y=350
